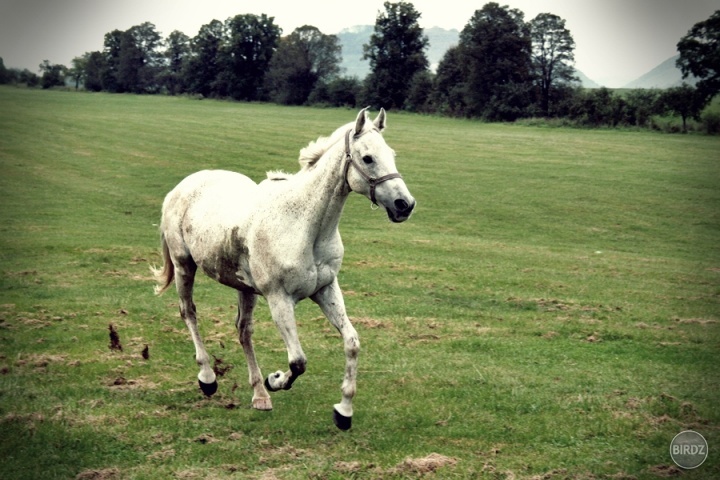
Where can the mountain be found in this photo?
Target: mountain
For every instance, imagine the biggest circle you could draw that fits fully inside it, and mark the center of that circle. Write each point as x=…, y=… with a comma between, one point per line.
x=585, y=82
x=665, y=75
x=440, y=42
x=352, y=40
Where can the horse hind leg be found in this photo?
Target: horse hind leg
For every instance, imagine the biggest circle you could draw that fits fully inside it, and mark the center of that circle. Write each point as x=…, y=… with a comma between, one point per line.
x=184, y=280
x=244, y=323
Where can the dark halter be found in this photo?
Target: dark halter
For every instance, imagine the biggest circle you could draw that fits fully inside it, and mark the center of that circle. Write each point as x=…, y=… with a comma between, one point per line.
x=373, y=182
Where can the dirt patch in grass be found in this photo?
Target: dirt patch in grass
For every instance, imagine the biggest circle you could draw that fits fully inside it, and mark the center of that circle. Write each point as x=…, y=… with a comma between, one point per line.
x=424, y=465
x=665, y=471
x=139, y=383
x=351, y=467
x=162, y=455
x=40, y=360
x=415, y=467
x=368, y=322
x=101, y=474
x=555, y=305
x=206, y=438
x=593, y=338
x=220, y=367
x=696, y=321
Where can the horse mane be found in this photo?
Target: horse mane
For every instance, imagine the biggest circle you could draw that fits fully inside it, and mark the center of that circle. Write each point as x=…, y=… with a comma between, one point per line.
x=315, y=150
x=276, y=175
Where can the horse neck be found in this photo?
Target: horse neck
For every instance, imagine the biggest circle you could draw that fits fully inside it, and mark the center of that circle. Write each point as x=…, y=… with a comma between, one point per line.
x=327, y=190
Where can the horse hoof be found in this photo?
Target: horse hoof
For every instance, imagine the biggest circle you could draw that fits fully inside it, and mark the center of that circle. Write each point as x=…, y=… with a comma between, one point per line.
x=264, y=404
x=208, y=388
x=341, y=421
x=269, y=387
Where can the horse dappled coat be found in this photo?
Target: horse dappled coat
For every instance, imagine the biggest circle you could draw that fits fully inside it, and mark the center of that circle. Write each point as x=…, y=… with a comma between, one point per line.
x=279, y=239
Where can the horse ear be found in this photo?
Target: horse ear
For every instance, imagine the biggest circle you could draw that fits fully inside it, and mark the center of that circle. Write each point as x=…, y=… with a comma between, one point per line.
x=360, y=121
x=381, y=120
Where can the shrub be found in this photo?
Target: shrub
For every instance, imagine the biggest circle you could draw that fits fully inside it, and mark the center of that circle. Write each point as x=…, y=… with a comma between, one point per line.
x=710, y=121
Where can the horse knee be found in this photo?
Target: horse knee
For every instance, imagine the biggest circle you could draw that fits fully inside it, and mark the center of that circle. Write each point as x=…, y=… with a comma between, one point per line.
x=352, y=347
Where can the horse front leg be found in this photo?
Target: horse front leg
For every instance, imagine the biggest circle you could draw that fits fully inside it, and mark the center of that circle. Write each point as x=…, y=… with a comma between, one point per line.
x=331, y=302
x=244, y=323
x=282, y=309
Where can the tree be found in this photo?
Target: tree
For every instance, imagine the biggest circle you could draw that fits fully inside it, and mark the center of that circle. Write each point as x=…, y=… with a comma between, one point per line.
x=303, y=59
x=203, y=66
x=552, y=56
x=700, y=56
x=78, y=70
x=642, y=104
x=420, y=93
x=4, y=73
x=396, y=53
x=111, y=61
x=139, y=59
x=177, y=54
x=686, y=101
x=52, y=75
x=496, y=47
x=95, y=67
x=251, y=43
x=338, y=92
x=344, y=91
x=28, y=78
x=449, y=89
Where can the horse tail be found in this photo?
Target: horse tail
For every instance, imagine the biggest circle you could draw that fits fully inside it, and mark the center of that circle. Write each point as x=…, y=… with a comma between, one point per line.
x=164, y=276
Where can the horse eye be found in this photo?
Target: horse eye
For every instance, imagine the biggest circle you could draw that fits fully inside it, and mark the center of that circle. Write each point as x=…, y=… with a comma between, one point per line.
x=368, y=159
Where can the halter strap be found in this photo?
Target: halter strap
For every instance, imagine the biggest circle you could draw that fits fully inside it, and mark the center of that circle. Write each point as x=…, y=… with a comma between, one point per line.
x=373, y=182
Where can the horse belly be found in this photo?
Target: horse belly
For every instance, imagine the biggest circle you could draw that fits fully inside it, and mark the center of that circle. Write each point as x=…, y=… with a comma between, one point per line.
x=213, y=212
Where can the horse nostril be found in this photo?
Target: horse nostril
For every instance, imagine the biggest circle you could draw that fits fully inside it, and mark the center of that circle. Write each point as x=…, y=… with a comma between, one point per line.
x=403, y=206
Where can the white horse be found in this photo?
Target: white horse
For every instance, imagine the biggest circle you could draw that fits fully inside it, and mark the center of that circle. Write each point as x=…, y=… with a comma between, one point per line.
x=279, y=239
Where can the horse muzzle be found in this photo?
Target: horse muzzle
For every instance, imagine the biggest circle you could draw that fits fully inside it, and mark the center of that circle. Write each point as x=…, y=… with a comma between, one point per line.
x=400, y=210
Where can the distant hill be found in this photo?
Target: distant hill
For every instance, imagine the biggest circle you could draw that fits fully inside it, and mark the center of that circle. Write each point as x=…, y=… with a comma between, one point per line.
x=585, y=82
x=665, y=75
x=352, y=40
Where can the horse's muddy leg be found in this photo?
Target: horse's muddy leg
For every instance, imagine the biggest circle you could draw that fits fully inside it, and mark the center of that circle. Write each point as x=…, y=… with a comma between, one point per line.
x=244, y=323
x=184, y=278
x=332, y=304
x=283, y=313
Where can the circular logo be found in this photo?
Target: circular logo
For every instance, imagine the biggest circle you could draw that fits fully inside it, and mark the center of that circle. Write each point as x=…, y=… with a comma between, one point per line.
x=688, y=449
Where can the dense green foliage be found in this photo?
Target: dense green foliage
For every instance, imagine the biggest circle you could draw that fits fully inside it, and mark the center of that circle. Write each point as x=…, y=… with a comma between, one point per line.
x=552, y=58
x=304, y=59
x=396, y=53
x=700, y=55
x=549, y=311
x=503, y=68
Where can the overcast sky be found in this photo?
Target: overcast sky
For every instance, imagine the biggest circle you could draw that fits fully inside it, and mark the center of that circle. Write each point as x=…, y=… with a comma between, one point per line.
x=616, y=40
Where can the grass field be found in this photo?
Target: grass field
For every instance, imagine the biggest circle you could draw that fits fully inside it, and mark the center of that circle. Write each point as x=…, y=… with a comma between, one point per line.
x=550, y=311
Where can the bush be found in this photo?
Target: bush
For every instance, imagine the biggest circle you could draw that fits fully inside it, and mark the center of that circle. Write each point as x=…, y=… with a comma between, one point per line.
x=710, y=121
x=339, y=92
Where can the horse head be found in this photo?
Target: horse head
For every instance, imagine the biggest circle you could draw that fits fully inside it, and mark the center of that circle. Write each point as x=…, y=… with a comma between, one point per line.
x=375, y=174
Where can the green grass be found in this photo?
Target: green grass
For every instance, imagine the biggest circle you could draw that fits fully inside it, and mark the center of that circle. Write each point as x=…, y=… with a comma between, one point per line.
x=551, y=310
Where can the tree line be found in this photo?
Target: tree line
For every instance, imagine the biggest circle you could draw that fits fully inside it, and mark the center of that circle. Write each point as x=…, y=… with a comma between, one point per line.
x=503, y=68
